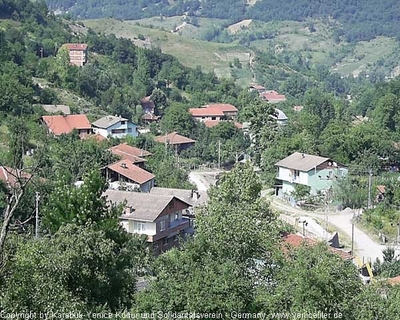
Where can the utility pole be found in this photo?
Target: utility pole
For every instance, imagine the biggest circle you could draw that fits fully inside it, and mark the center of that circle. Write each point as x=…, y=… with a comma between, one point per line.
x=219, y=154
x=369, y=189
x=37, y=198
x=352, y=237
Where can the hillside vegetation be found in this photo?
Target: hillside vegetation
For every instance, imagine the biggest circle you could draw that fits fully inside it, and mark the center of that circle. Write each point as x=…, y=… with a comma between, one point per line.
x=212, y=44
x=358, y=19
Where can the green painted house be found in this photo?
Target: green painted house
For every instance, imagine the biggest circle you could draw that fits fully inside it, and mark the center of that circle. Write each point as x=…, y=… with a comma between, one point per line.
x=319, y=173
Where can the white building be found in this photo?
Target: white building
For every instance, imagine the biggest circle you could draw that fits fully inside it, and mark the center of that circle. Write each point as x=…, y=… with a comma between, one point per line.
x=115, y=126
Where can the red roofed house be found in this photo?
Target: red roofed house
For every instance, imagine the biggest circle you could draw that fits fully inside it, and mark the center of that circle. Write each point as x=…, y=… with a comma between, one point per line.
x=216, y=111
x=124, y=171
x=63, y=124
x=295, y=241
x=133, y=154
x=77, y=53
x=148, y=107
x=256, y=87
x=213, y=123
x=179, y=142
x=272, y=96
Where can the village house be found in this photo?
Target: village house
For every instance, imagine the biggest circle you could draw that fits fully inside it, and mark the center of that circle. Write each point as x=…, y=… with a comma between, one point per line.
x=280, y=117
x=257, y=88
x=56, y=108
x=78, y=53
x=216, y=111
x=193, y=197
x=294, y=241
x=272, y=96
x=124, y=174
x=319, y=173
x=176, y=140
x=130, y=153
x=158, y=217
x=115, y=126
x=64, y=124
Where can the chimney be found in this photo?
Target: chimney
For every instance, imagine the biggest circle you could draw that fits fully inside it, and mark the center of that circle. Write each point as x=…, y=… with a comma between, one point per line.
x=129, y=210
x=195, y=195
x=302, y=155
x=123, y=165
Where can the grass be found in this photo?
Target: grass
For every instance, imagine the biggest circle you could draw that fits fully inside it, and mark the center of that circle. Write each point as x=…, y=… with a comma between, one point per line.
x=366, y=53
x=211, y=56
x=186, y=45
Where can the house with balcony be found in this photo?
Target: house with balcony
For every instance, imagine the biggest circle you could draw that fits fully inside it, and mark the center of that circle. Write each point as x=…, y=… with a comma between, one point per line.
x=78, y=53
x=319, y=173
x=124, y=174
x=115, y=126
x=158, y=217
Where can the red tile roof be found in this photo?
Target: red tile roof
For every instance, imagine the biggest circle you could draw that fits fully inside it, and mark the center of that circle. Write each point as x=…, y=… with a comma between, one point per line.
x=381, y=189
x=215, y=109
x=60, y=124
x=272, y=96
x=10, y=176
x=76, y=46
x=127, y=169
x=395, y=280
x=174, y=138
x=213, y=123
x=296, y=241
x=130, y=153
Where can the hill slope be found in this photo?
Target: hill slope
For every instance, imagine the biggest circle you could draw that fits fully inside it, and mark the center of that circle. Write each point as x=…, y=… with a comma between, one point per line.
x=361, y=19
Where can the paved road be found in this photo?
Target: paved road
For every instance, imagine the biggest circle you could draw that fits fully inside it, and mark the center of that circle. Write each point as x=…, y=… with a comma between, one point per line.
x=203, y=179
x=365, y=247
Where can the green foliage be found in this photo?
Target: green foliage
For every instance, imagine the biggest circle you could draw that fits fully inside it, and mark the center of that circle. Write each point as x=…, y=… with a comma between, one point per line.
x=84, y=205
x=177, y=118
x=77, y=270
x=204, y=276
x=312, y=279
x=390, y=266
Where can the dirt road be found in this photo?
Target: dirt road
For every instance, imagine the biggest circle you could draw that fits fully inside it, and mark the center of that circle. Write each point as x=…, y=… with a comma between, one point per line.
x=365, y=247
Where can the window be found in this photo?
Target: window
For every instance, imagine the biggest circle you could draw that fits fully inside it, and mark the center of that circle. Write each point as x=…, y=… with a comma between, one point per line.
x=213, y=118
x=117, y=131
x=129, y=129
x=165, y=242
x=139, y=226
x=296, y=174
x=162, y=225
x=123, y=122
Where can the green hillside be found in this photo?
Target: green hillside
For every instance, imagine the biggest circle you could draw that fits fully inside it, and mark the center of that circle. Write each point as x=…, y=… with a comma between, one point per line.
x=357, y=19
x=211, y=56
x=314, y=40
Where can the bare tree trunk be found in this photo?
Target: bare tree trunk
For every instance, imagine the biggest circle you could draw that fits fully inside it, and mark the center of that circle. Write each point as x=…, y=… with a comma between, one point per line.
x=12, y=205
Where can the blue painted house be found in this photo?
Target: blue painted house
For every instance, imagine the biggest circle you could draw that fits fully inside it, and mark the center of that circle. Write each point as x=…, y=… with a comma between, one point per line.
x=115, y=126
x=319, y=173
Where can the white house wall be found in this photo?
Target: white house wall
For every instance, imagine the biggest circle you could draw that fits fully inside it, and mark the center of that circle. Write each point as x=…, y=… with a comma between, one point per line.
x=286, y=174
x=128, y=225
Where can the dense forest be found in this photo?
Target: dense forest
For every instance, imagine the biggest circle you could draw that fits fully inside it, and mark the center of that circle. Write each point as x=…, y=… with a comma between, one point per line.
x=82, y=265
x=357, y=20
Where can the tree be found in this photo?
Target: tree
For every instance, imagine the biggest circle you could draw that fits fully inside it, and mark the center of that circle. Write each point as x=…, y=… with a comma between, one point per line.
x=84, y=205
x=321, y=105
x=263, y=127
x=78, y=270
x=160, y=101
x=177, y=118
x=204, y=276
x=318, y=281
